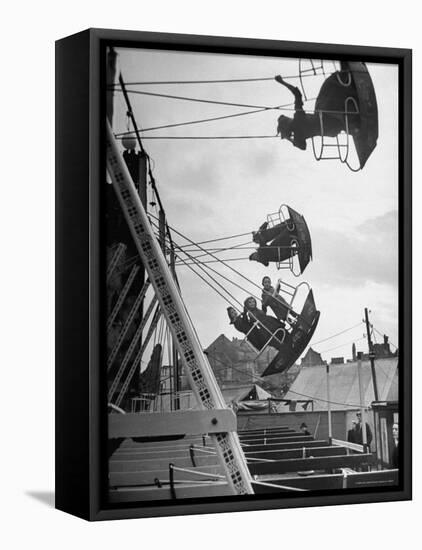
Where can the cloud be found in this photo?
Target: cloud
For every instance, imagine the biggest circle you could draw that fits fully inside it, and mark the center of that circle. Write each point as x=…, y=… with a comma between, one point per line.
x=369, y=253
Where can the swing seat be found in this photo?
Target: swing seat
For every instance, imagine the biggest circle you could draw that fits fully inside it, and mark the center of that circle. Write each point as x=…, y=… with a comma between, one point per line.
x=279, y=335
x=303, y=237
x=300, y=238
x=299, y=339
x=348, y=95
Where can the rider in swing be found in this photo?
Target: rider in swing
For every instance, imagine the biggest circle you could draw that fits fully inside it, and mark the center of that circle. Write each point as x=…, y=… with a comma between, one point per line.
x=272, y=298
x=305, y=125
x=269, y=325
x=241, y=323
x=274, y=244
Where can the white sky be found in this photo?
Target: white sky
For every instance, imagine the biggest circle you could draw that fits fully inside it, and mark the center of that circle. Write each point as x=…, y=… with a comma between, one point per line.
x=217, y=188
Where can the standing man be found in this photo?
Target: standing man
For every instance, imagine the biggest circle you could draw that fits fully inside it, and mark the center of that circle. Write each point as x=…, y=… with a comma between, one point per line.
x=358, y=436
x=351, y=434
x=395, y=450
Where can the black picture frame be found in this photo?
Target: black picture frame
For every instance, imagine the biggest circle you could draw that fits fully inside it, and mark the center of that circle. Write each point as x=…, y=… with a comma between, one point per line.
x=80, y=426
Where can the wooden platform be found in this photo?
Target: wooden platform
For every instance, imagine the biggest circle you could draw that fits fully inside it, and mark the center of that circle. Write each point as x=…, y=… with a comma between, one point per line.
x=385, y=478
x=280, y=457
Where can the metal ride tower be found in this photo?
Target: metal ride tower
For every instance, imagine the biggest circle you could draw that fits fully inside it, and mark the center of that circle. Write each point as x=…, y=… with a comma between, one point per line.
x=196, y=365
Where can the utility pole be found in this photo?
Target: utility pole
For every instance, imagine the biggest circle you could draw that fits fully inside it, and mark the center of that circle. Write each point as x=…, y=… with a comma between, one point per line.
x=330, y=427
x=362, y=404
x=371, y=355
x=111, y=75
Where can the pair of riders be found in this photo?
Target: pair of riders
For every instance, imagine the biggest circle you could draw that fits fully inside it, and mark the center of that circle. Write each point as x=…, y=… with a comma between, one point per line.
x=262, y=329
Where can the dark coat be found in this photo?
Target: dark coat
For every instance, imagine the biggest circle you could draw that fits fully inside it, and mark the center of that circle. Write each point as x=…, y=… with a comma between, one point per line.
x=268, y=326
x=395, y=456
x=275, y=244
x=244, y=325
x=276, y=302
x=358, y=434
x=306, y=125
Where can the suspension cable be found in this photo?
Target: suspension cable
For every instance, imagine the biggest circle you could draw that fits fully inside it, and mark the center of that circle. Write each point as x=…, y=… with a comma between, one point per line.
x=209, y=284
x=210, y=119
x=191, y=122
x=215, y=240
x=215, y=257
x=225, y=259
x=272, y=136
x=213, y=81
x=234, y=247
x=199, y=264
x=283, y=107
x=198, y=100
x=225, y=290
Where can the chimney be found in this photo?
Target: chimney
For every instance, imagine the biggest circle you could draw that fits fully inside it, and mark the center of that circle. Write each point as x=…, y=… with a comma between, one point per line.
x=386, y=346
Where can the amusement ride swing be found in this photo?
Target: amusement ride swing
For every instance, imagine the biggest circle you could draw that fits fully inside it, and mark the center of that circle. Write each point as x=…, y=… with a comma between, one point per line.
x=291, y=248
x=285, y=240
x=290, y=332
x=344, y=118
x=299, y=326
x=346, y=105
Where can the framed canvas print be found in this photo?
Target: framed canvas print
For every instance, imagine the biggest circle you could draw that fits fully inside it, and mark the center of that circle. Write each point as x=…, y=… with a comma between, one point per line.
x=233, y=274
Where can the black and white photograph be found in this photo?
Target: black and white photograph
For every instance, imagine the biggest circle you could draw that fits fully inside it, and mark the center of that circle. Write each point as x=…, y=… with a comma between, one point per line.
x=210, y=259
x=250, y=214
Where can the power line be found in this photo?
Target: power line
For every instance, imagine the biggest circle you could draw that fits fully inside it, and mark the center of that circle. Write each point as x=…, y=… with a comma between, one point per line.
x=382, y=334
x=337, y=334
x=342, y=345
x=259, y=378
x=313, y=398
